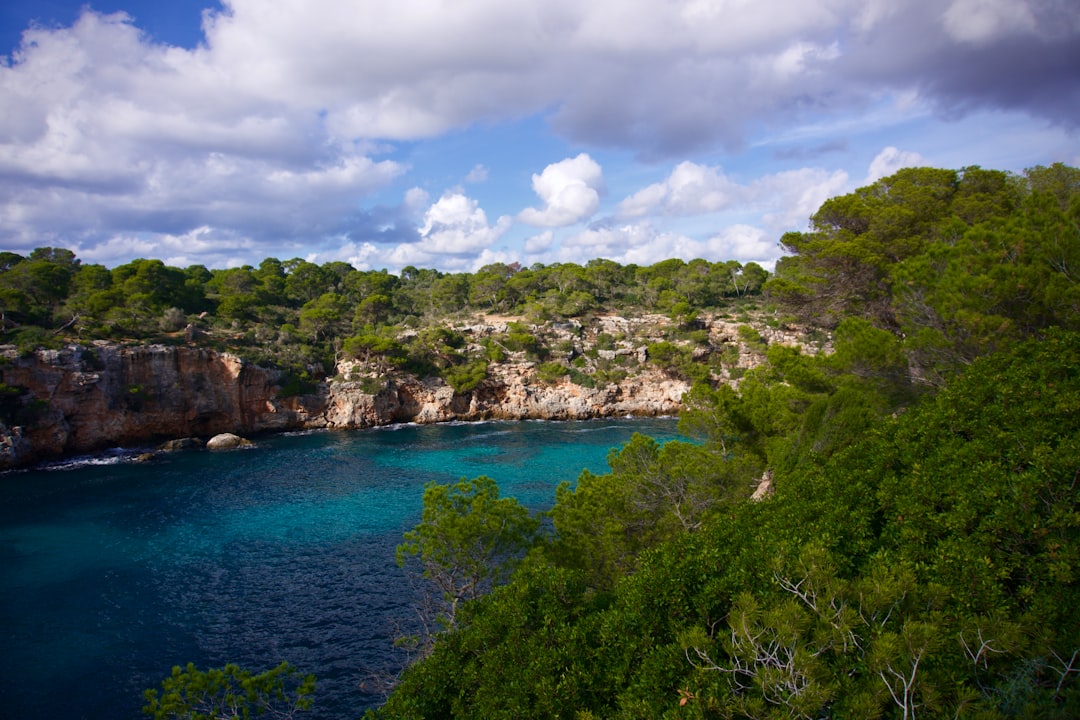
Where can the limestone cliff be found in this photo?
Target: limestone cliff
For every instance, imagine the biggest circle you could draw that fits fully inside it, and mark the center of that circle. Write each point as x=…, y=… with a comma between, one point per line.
x=81, y=399
x=86, y=398
x=511, y=392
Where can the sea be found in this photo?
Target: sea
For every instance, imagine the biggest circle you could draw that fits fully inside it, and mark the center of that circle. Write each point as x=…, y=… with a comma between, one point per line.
x=113, y=571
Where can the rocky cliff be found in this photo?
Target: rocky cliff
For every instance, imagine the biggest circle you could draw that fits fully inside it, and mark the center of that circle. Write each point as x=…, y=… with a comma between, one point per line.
x=82, y=399
x=511, y=392
x=86, y=398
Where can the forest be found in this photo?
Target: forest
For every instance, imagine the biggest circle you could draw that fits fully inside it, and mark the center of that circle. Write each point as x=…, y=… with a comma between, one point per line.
x=305, y=319
x=918, y=554
x=887, y=530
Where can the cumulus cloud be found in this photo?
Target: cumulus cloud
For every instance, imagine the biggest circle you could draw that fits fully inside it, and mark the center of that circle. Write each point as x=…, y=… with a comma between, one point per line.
x=891, y=159
x=454, y=226
x=782, y=200
x=639, y=242
x=108, y=142
x=691, y=189
x=538, y=244
x=570, y=190
x=642, y=243
x=271, y=133
x=788, y=199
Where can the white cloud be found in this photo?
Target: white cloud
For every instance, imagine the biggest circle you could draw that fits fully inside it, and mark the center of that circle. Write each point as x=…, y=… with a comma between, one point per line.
x=276, y=131
x=691, y=189
x=783, y=201
x=416, y=199
x=745, y=243
x=362, y=256
x=632, y=242
x=107, y=141
x=890, y=160
x=539, y=243
x=201, y=246
x=570, y=190
x=455, y=225
x=478, y=174
x=789, y=198
x=642, y=243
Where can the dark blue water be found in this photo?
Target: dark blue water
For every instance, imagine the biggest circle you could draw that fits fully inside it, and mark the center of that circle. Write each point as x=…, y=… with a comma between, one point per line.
x=111, y=574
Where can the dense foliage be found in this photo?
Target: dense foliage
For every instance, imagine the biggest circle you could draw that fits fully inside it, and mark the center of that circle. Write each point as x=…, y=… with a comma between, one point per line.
x=230, y=693
x=304, y=317
x=928, y=567
x=919, y=554
x=957, y=263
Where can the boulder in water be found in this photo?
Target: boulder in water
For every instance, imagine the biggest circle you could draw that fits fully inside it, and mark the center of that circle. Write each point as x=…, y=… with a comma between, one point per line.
x=226, y=441
x=181, y=444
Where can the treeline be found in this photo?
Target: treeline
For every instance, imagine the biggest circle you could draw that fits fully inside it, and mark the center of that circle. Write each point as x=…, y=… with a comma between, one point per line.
x=919, y=555
x=953, y=264
x=302, y=316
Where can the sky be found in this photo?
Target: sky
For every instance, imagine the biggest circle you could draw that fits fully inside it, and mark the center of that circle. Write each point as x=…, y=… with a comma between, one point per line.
x=452, y=134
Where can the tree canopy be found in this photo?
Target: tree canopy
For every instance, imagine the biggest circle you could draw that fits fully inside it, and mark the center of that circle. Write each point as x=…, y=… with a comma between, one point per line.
x=914, y=548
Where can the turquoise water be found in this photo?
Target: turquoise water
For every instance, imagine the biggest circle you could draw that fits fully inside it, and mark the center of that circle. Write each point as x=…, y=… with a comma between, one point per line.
x=110, y=574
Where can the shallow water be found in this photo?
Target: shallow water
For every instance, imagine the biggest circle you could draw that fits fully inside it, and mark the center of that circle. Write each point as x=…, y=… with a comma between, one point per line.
x=112, y=572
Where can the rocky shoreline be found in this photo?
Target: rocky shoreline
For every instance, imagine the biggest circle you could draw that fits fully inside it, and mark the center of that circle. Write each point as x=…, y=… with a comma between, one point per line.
x=87, y=398
x=83, y=399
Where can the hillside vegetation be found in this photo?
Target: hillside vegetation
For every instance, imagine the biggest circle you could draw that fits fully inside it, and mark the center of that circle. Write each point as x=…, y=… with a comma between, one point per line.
x=919, y=554
x=307, y=319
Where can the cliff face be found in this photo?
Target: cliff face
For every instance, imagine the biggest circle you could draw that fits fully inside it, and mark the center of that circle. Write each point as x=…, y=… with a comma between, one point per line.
x=82, y=399
x=511, y=392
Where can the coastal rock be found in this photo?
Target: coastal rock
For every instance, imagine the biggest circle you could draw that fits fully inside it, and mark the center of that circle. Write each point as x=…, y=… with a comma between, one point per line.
x=15, y=448
x=510, y=392
x=227, y=441
x=85, y=398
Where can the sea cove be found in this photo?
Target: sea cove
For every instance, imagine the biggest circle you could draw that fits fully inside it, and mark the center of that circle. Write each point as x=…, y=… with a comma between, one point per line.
x=111, y=574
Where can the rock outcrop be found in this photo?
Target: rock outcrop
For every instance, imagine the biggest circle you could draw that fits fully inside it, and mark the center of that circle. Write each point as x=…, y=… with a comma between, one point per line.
x=86, y=398
x=511, y=392
x=82, y=399
x=227, y=441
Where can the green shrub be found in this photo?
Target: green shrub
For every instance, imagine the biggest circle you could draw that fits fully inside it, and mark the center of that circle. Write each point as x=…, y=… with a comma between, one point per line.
x=550, y=372
x=464, y=378
x=752, y=338
x=581, y=378
x=295, y=382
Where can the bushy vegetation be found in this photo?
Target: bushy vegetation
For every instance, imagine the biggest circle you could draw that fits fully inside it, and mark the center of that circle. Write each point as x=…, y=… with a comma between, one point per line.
x=919, y=553
x=230, y=693
x=924, y=565
x=305, y=318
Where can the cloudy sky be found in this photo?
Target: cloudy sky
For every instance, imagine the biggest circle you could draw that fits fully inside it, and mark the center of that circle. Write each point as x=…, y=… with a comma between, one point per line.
x=454, y=133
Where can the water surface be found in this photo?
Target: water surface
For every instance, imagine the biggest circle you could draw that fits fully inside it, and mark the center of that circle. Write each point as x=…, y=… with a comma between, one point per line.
x=112, y=572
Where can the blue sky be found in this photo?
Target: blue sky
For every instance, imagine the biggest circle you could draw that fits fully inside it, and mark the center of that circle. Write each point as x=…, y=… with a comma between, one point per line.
x=455, y=134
